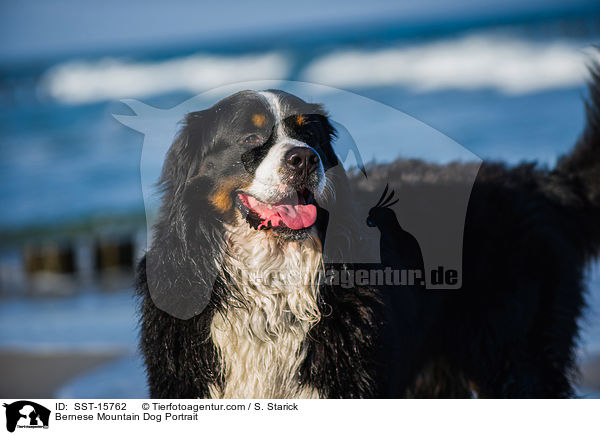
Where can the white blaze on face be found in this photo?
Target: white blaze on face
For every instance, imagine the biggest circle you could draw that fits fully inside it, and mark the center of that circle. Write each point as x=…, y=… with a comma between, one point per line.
x=269, y=184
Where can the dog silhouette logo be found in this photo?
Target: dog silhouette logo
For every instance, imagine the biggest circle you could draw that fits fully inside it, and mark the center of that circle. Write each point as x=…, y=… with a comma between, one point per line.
x=26, y=414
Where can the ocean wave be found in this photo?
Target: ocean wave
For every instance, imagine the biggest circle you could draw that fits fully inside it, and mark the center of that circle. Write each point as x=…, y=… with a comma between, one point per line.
x=478, y=61
x=507, y=64
x=106, y=79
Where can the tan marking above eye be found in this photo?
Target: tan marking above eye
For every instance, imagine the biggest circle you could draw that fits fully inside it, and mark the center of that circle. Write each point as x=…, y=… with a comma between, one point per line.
x=300, y=120
x=259, y=120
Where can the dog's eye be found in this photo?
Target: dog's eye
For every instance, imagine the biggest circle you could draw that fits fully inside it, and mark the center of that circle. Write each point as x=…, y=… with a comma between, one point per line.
x=252, y=139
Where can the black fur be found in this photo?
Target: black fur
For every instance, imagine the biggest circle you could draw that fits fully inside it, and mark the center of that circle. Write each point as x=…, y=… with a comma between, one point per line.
x=509, y=332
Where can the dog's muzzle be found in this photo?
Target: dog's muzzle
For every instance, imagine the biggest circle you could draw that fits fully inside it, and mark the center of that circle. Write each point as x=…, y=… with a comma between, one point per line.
x=300, y=163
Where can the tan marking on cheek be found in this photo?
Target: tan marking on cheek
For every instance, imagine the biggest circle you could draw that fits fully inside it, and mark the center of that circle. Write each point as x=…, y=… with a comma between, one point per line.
x=300, y=120
x=221, y=197
x=259, y=120
x=221, y=200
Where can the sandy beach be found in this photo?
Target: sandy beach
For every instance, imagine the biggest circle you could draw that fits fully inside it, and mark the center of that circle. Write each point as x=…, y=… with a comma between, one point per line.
x=39, y=374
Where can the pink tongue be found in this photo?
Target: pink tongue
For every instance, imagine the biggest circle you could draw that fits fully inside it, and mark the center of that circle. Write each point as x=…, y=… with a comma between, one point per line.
x=294, y=216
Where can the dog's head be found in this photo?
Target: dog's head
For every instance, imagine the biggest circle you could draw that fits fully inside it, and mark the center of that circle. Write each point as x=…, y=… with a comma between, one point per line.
x=257, y=167
x=257, y=159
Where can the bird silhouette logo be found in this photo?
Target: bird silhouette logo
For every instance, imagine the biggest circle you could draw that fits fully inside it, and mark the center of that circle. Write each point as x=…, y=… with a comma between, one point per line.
x=397, y=247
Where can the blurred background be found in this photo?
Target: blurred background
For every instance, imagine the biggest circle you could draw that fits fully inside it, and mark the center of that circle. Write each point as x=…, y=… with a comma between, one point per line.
x=503, y=78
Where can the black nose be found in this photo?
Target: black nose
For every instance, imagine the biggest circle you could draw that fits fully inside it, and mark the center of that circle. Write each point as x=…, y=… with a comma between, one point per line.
x=302, y=161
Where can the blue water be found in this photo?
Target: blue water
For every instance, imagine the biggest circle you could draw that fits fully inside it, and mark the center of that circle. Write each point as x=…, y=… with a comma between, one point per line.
x=90, y=165
x=89, y=320
x=64, y=157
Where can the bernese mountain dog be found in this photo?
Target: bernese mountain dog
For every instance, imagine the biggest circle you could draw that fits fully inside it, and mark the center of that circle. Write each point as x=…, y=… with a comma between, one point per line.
x=234, y=299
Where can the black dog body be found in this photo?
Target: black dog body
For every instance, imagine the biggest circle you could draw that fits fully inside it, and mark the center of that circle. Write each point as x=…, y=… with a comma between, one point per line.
x=509, y=332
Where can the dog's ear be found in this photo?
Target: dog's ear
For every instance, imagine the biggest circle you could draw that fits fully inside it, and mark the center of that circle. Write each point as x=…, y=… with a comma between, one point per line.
x=345, y=144
x=340, y=142
x=186, y=152
x=327, y=134
x=182, y=263
x=347, y=239
x=331, y=134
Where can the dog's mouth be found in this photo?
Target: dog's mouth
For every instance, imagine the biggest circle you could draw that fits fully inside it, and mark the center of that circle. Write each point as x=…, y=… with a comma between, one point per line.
x=295, y=212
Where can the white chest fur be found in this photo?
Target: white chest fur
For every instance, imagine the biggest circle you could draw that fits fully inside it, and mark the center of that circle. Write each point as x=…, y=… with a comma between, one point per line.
x=261, y=336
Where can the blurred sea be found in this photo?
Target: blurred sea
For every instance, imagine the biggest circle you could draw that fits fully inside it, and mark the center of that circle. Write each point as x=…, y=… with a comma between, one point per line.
x=505, y=90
